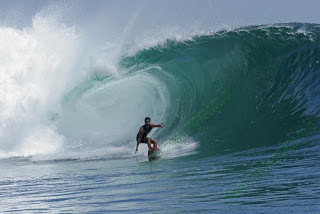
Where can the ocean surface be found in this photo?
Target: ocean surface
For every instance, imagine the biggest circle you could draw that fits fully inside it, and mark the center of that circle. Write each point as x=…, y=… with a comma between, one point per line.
x=240, y=106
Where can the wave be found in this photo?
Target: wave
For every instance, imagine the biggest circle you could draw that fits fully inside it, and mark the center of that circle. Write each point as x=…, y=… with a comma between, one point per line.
x=249, y=87
x=227, y=91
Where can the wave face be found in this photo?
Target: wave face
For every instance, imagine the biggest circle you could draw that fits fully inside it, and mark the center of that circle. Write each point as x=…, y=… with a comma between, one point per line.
x=228, y=91
x=244, y=88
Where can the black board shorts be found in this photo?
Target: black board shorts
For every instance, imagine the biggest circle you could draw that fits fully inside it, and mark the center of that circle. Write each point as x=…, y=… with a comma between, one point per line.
x=143, y=139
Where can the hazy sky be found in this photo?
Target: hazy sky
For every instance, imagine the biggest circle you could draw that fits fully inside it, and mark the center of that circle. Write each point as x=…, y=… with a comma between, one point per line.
x=19, y=13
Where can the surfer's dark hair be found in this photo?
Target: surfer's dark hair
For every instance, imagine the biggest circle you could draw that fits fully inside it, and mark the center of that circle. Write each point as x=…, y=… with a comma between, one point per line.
x=147, y=118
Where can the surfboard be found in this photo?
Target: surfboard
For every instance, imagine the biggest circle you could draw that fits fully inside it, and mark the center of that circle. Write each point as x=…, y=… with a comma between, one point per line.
x=154, y=154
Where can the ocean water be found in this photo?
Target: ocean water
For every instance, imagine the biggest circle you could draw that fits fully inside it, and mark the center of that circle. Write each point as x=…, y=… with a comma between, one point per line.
x=240, y=106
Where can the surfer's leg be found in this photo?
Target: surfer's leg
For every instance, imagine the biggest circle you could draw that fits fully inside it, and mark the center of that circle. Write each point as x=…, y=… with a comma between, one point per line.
x=155, y=144
x=149, y=143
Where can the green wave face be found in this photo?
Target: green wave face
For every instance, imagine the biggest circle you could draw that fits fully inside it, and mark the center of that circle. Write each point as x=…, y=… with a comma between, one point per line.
x=245, y=88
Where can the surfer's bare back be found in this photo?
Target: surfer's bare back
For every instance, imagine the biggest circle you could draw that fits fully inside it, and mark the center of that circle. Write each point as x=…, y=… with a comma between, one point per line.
x=144, y=131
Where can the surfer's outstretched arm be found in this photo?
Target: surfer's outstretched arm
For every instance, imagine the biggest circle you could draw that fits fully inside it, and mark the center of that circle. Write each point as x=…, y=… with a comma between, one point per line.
x=139, y=138
x=157, y=125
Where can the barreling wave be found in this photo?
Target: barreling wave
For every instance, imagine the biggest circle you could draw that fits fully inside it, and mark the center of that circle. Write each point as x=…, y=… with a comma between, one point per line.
x=238, y=89
x=226, y=91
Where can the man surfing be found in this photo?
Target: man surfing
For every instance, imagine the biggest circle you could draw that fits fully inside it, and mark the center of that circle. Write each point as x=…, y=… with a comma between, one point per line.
x=142, y=135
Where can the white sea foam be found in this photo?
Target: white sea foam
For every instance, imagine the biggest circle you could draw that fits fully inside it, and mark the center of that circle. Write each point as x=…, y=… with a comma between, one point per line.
x=178, y=147
x=36, y=70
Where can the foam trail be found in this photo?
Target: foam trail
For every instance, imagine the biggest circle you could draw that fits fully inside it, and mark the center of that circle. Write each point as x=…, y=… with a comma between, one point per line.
x=178, y=147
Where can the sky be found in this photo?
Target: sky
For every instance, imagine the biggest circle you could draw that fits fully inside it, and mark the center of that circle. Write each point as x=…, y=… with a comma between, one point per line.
x=212, y=13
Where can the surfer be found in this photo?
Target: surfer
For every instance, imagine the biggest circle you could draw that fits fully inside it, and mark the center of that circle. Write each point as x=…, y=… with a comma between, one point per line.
x=144, y=131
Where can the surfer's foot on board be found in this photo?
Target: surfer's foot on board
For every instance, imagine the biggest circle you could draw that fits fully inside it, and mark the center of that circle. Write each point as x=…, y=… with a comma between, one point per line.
x=153, y=150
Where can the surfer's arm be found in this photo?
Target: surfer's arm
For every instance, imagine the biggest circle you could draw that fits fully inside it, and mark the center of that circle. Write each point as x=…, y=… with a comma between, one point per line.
x=139, y=138
x=157, y=125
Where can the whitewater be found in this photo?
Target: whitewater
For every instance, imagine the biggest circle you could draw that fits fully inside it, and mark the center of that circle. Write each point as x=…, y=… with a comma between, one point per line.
x=239, y=100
